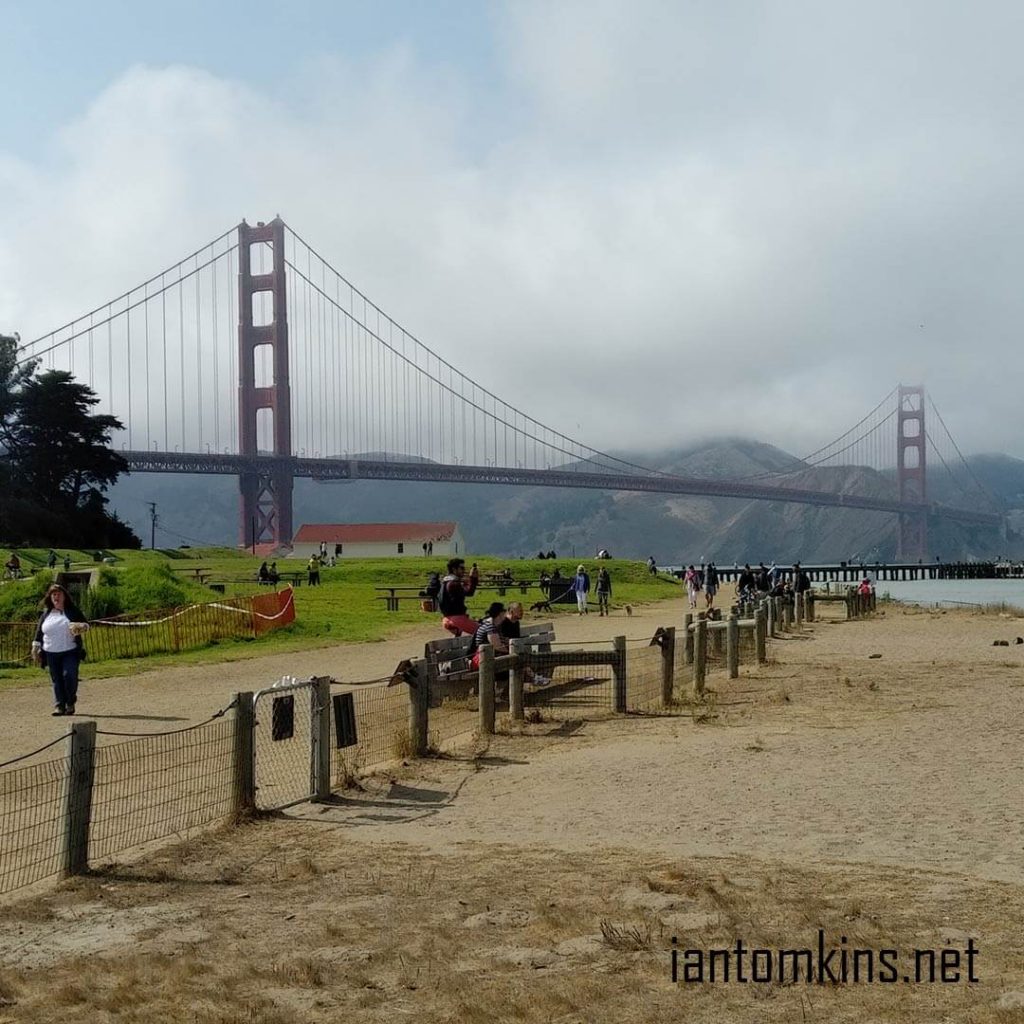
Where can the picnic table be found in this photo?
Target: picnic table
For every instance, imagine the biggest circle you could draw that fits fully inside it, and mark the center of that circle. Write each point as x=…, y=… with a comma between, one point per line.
x=292, y=577
x=500, y=582
x=200, y=573
x=392, y=598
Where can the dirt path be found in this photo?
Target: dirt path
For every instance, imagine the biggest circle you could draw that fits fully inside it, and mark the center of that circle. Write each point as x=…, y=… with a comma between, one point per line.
x=866, y=787
x=169, y=698
x=910, y=759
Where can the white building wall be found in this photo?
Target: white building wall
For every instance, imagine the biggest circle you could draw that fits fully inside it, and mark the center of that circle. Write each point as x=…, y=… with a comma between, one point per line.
x=378, y=549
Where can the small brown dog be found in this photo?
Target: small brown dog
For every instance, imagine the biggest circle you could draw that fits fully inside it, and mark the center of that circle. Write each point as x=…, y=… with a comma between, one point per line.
x=629, y=609
x=540, y=606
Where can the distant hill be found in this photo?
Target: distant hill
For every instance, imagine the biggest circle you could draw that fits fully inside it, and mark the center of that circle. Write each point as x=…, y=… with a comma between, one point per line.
x=517, y=521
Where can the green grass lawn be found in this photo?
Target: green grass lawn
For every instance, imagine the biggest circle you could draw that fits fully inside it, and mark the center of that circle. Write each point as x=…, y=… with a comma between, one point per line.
x=345, y=608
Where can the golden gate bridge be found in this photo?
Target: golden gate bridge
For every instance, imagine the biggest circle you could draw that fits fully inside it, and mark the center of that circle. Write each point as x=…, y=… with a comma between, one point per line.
x=254, y=357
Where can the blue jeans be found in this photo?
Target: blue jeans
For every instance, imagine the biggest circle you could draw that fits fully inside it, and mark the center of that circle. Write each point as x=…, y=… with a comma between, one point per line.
x=64, y=675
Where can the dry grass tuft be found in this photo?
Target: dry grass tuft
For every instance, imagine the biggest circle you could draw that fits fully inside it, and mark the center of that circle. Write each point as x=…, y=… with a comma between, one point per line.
x=10, y=988
x=401, y=744
x=704, y=709
x=632, y=938
x=304, y=972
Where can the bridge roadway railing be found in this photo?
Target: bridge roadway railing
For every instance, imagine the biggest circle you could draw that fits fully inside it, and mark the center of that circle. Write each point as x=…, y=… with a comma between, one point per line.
x=363, y=469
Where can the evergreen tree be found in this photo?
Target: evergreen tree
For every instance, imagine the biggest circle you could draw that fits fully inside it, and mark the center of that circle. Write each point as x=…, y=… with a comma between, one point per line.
x=55, y=459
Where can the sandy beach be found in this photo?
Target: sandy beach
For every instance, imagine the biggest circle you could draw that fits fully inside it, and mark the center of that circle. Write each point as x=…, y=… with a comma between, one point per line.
x=867, y=782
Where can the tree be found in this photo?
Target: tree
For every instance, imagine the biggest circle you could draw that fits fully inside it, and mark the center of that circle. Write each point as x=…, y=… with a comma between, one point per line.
x=55, y=458
x=12, y=379
x=59, y=447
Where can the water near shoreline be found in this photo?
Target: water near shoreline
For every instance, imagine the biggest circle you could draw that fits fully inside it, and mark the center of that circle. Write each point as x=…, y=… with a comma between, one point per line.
x=950, y=592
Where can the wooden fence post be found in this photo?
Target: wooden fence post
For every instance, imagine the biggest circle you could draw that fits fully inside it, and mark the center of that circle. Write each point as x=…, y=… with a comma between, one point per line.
x=619, y=673
x=760, y=634
x=787, y=614
x=717, y=639
x=700, y=655
x=809, y=605
x=419, y=708
x=732, y=645
x=798, y=608
x=81, y=749
x=769, y=605
x=244, y=766
x=485, y=699
x=515, y=682
x=688, y=639
x=668, y=665
x=320, y=739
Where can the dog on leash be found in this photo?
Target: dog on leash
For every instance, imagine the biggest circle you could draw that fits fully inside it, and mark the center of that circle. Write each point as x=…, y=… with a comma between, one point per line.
x=540, y=606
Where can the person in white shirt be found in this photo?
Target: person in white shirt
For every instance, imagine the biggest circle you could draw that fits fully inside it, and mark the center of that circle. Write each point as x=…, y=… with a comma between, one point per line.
x=58, y=646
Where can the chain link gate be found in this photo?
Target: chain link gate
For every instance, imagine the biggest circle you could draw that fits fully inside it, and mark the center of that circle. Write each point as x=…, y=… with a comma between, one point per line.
x=291, y=740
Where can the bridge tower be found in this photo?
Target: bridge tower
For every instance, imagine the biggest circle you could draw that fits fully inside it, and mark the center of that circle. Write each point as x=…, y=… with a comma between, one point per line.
x=910, y=473
x=266, y=496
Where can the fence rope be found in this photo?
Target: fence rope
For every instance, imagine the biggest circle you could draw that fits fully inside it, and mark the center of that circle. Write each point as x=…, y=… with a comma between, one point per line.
x=170, y=732
x=45, y=746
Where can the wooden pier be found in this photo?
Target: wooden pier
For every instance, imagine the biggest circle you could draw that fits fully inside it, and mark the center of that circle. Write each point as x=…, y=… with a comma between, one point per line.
x=853, y=572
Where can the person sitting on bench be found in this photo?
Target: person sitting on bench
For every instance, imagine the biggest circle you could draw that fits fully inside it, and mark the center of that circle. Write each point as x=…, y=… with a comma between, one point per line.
x=489, y=632
x=511, y=630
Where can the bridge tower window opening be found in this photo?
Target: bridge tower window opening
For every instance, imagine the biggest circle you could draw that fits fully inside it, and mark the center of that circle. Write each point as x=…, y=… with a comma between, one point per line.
x=263, y=366
x=264, y=430
x=262, y=309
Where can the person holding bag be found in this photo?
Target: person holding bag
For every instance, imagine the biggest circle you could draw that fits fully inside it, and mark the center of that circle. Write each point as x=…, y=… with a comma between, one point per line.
x=58, y=646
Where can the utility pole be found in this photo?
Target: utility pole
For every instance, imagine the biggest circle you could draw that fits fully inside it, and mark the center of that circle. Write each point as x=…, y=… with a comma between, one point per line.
x=152, y=524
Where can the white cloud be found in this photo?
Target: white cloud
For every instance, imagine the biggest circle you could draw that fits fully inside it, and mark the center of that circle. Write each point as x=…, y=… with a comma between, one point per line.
x=744, y=220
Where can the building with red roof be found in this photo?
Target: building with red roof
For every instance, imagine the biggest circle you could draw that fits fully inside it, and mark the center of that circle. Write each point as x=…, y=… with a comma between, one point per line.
x=378, y=540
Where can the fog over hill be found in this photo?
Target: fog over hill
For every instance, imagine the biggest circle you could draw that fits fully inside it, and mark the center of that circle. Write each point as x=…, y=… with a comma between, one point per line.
x=517, y=521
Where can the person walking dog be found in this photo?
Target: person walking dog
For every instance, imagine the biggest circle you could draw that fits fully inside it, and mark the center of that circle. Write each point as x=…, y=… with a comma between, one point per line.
x=581, y=588
x=58, y=646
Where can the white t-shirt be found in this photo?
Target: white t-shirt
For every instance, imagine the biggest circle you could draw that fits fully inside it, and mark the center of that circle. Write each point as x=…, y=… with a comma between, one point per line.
x=57, y=636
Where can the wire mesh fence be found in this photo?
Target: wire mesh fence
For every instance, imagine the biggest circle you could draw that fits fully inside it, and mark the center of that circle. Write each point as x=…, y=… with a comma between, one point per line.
x=586, y=687
x=644, y=668
x=379, y=732
x=165, y=630
x=455, y=716
x=32, y=822
x=282, y=740
x=168, y=784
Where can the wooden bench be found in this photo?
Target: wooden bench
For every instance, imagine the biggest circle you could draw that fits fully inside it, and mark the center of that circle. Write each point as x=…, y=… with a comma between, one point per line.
x=448, y=666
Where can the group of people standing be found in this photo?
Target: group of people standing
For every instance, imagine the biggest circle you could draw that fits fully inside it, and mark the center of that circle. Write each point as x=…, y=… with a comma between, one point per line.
x=703, y=579
x=771, y=581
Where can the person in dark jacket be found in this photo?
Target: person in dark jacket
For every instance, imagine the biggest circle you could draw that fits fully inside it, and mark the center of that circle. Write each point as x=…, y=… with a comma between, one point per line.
x=58, y=646
x=451, y=601
x=603, y=590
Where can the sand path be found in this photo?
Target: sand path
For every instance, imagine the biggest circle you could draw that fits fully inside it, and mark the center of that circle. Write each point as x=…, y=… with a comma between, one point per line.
x=170, y=698
x=911, y=759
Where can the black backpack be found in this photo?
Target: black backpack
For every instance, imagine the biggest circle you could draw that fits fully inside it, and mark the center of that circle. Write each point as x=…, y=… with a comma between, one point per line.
x=444, y=598
x=433, y=587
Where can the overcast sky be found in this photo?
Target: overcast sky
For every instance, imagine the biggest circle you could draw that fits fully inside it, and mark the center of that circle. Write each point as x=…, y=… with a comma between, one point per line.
x=643, y=223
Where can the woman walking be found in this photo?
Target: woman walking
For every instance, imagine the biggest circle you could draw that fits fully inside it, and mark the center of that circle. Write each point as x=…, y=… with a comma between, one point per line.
x=692, y=585
x=581, y=588
x=58, y=646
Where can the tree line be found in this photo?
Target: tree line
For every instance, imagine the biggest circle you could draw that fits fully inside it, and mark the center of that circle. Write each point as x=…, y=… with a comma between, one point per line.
x=56, y=462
